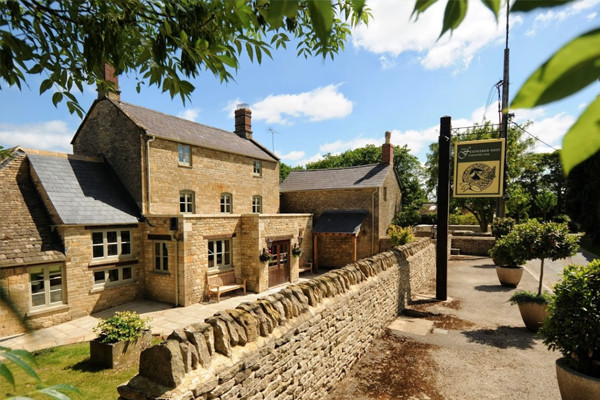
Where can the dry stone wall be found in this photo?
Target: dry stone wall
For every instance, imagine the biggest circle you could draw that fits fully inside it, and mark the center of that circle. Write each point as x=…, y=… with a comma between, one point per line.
x=295, y=344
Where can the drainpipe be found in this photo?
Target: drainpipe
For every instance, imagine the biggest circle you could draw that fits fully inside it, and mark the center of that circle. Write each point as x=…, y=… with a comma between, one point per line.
x=177, y=270
x=373, y=221
x=148, y=170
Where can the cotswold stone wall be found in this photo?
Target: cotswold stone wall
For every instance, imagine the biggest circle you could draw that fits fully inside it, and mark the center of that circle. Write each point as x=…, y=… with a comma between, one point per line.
x=473, y=245
x=295, y=344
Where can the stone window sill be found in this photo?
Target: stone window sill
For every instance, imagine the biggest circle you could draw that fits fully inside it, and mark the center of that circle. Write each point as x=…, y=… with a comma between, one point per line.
x=49, y=310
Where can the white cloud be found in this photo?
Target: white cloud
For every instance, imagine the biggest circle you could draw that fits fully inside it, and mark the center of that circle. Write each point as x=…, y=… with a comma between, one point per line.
x=293, y=156
x=387, y=63
x=392, y=33
x=50, y=135
x=548, y=129
x=553, y=15
x=317, y=105
x=190, y=114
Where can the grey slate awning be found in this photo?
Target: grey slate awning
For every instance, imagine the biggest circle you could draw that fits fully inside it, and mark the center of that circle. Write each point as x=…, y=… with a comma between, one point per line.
x=346, y=222
x=84, y=192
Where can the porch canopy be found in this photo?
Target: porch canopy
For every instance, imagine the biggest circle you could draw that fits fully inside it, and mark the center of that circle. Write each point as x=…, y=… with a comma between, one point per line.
x=338, y=223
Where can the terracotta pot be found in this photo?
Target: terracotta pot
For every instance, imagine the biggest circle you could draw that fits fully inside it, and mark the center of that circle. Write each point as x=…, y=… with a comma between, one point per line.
x=574, y=385
x=533, y=315
x=509, y=276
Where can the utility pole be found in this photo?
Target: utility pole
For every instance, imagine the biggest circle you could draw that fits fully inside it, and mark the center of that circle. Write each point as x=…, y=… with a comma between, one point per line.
x=501, y=203
x=443, y=200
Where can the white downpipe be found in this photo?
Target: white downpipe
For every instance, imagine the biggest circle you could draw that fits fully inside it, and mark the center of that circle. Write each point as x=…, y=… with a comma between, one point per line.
x=177, y=271
x=148, y=171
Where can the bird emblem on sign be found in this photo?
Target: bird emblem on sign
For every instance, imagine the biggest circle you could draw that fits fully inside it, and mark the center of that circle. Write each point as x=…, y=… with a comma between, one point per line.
x=478, y=177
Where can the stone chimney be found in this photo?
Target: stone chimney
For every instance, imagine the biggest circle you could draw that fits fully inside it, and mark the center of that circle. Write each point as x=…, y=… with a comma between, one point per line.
x=108, y=73
x=387, y=150
x=243, y=121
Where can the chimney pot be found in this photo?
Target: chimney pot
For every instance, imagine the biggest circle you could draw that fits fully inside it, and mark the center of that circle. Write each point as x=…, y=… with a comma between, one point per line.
x=243, y=121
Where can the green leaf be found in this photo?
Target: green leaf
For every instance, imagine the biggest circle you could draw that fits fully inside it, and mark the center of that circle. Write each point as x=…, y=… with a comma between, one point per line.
x=55, y=391
x=321, y=15
x=528, y=5
x=455, y=12
x=45, y=85
x=278, y=9
x=583, y=139
x=57, y=98
x=421, y=6
x=6, y=374
x=571, y=68
x=493, y=5
x=20, y=359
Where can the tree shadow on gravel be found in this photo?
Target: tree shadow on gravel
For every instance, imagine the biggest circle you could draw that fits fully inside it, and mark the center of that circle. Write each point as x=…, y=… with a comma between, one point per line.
x=493, y=288
x=484, y=266
x=503, y=337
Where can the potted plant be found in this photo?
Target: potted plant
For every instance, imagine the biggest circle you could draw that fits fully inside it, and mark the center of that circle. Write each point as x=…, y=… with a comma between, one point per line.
x=573, y=328
x=508, y=261
x=296, y=250
x=502, y=227
x=534, y=240
x=120, y=340
x=266, y=256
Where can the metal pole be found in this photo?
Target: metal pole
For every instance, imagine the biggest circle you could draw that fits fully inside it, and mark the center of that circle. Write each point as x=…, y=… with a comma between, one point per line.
x=443, y=200
x=501, y=210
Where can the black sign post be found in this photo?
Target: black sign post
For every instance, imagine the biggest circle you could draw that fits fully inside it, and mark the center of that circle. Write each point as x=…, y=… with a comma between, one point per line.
x=443, y=209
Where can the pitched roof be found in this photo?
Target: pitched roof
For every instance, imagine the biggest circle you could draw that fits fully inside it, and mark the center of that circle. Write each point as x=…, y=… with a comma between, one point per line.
x=25, y=234
x=83, y=191
x=170, y=127
x=364, y=176
x=340, y=221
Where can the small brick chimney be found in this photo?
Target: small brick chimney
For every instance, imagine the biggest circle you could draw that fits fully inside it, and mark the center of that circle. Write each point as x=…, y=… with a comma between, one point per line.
x=108, y=73
x=243, y=121
x=387, y=150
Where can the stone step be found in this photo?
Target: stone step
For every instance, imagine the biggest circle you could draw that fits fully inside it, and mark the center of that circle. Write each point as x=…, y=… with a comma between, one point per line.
x=454, y=251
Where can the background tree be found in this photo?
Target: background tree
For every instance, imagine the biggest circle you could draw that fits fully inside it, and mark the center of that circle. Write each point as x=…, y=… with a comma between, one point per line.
x=164, y=43
x=482, y=208
x=570, y=69
x=407, y=166
x=546, y=201
x=518, y=203
x=583, y=196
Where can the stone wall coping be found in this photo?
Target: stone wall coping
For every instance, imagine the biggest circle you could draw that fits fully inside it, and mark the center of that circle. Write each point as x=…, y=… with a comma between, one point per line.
x=285, y=215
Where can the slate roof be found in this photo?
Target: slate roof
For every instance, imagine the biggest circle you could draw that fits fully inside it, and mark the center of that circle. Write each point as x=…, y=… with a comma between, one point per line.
x=181, y=130
x=340, y=221
x=25, y=234
x=83, y=191
x=364, y=176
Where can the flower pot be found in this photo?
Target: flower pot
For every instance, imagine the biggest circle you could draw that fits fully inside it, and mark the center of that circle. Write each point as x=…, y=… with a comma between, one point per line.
x=533, y=315
x=509, y=276
x=119, y=354
x=574, y=385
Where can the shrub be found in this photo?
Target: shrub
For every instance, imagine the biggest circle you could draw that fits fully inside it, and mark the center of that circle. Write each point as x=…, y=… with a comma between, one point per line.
x=523, y=296
x=123, y=326
x=503, y=253
x=573, y=325
x=502, y=226
x=407, y=218
x=400, y=235
x=429, y=219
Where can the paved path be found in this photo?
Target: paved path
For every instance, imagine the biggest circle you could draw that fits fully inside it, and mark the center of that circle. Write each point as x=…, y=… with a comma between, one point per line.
x=165, y=319
x=553, y=269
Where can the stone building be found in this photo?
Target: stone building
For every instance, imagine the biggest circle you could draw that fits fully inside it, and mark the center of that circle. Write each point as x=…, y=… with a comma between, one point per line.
x=149, y=205
x=352, y=207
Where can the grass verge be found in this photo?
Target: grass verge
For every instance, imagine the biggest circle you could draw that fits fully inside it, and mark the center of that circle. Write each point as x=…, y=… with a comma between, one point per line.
x=69, y=364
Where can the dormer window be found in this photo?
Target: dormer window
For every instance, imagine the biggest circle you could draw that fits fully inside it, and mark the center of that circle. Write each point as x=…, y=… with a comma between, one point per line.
x=257, y=169
x=185, y=155
x=226, y=203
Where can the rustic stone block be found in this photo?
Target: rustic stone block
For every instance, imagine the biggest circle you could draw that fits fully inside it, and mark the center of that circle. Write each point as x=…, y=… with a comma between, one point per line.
x=247, y=321
x=163, y=364
x=198, y=340
x=222, y=340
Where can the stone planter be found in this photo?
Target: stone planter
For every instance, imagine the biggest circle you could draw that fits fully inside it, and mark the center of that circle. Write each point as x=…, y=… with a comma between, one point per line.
x=119, y=354
x=574, y=385
x=533, y=315
x=509, y=276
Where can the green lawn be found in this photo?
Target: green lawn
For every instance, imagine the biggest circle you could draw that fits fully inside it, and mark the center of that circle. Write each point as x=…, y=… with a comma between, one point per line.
x=68, y=364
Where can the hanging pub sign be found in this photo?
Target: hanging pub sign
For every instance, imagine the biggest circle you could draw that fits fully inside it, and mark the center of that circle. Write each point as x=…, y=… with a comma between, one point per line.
x=479, y=168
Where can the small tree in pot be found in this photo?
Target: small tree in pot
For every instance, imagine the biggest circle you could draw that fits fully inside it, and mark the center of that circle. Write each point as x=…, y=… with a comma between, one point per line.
x=508, y=260
x=573, y=328
x=534, y=240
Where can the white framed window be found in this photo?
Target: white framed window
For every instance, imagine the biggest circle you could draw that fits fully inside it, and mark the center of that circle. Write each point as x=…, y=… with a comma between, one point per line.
x=161, y=256
x=257, y=204
x=219, y=254
x=186, y=201
x=111, y=244
x=46, y=285
x=185, y=154
x=226, y=203
x=257, y=168
x=113, y=276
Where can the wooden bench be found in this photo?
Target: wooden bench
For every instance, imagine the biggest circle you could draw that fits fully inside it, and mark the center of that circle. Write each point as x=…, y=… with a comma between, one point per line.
x=307, y=267
x=224, y=282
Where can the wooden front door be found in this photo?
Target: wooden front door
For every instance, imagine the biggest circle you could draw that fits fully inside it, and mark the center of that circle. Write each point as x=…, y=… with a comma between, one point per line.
x=279, y=268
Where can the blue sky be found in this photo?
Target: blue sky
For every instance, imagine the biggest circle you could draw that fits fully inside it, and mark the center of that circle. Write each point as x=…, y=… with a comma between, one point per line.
x=393, y=76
